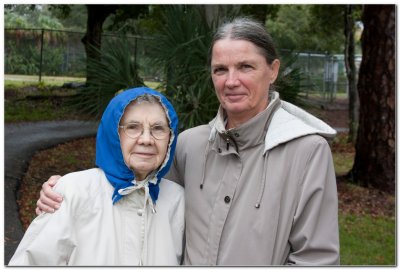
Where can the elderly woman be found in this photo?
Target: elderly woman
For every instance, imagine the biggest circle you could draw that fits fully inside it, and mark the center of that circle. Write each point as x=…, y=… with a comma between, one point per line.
x=109, y=215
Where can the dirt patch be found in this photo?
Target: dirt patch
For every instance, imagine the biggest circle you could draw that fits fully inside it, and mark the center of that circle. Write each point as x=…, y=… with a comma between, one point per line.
x=65, y=158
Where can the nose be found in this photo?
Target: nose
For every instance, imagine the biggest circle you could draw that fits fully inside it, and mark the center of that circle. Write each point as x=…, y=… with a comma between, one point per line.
x=145, y=138
x=232, y=79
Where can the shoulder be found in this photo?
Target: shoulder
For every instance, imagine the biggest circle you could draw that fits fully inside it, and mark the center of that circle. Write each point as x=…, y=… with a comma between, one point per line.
x=81, y=185
x=193, y=139
x=191, y=134
x=310, y=144
x=82, y=179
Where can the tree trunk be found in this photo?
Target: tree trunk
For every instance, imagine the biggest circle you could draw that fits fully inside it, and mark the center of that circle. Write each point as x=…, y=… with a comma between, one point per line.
x=374, y=163
x=97, y=14
x=351, y=73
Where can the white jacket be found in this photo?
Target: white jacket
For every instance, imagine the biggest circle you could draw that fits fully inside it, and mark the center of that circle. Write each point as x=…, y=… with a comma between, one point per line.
x=89, y=230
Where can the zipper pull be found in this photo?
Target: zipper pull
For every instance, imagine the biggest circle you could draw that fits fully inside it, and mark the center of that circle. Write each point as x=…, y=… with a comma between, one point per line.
x=227, y=144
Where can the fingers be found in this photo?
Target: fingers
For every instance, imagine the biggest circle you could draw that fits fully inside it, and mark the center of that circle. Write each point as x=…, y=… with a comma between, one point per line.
x=49, y=201
x=45, y=205
x=53, y=180
x=37, y=210
x=50, y=197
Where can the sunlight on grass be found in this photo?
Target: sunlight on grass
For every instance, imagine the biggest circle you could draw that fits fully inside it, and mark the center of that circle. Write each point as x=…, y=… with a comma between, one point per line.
x=366, y=240
x=343, y=162
x=24, y=80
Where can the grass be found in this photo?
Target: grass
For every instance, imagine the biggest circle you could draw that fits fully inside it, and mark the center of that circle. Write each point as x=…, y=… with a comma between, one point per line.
x=368, y=237
x=37, y=111
x=24, y=80
x=17, y=108
x=343, y=162
x=343, y=154
x=366, y=240
x=18, y=81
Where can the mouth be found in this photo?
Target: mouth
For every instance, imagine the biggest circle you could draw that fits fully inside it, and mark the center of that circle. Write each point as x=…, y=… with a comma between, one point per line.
x=143, y=154
x=234, y=97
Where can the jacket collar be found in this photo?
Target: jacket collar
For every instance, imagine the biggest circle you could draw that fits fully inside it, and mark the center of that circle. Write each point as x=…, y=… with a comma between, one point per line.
x=291, y=122
x=288, y=123
x=251, y=133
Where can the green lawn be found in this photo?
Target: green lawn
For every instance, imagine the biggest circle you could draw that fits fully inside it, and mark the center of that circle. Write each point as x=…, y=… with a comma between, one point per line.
x=25, y=80
x=366, y=240
x=18, y=109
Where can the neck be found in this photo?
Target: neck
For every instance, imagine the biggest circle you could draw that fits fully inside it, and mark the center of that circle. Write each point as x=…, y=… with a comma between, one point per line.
x=236, y=120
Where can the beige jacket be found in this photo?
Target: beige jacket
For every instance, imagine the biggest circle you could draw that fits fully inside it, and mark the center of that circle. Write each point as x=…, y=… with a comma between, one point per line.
x=89, y=230
x=257, y=198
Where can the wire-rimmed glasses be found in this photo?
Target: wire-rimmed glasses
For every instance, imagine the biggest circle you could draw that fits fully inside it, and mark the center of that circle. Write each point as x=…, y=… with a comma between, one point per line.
x=157, y=131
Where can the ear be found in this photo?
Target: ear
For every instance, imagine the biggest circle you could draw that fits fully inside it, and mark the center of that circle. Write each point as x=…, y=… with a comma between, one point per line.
x=275, y=69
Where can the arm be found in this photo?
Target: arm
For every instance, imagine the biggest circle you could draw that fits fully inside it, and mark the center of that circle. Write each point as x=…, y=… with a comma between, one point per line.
x=314, y=237
x=49, y=240
x=49, y=200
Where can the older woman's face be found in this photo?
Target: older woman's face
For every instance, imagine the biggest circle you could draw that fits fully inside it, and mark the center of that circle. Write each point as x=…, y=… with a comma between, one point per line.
x=241, y=78
x=144, y=153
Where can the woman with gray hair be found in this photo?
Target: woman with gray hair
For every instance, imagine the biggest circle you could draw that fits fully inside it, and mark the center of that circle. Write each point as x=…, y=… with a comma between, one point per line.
x=259, y=179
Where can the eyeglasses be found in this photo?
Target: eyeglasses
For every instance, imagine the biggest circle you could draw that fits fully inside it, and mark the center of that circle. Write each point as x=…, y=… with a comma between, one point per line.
x=134, y=130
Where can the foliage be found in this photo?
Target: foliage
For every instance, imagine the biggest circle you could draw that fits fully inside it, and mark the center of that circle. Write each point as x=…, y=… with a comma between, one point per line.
x=116, y=70
x=365, y=240
x=73, y=17
x=23, y=57
x=185, y=36
x=260, y=12
x=184, y=54
x=296, y=28
x=124, y=21
x=30, y=16
x=18, y=61
x=289, y=81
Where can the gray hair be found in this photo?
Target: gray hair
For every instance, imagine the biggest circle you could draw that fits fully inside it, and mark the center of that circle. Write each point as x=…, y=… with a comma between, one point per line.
x=243, y=28
x=146, y=98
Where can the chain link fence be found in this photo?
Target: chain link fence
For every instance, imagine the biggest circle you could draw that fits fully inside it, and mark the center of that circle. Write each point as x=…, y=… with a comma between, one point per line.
x=43, y=52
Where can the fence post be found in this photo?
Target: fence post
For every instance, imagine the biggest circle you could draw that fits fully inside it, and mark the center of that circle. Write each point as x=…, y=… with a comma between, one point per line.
x=41, y=56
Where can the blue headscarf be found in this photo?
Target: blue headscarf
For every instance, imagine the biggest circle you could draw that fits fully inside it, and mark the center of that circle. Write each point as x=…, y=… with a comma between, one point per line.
x=108, y=146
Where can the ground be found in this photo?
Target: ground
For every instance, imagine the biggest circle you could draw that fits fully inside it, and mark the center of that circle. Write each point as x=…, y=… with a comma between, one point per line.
x=79, y=155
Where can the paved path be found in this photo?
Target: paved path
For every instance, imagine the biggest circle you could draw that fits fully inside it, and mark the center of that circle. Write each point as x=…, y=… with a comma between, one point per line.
x=21, y=141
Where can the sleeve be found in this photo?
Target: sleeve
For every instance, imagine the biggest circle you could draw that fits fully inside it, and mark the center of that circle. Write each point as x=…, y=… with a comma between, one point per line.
x=314, y=237
x=49, y=240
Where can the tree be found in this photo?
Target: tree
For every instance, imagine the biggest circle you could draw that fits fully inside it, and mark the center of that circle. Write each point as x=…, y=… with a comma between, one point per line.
x=351, y=71
x=374, y=163
x=97, y=14
x=308, y=28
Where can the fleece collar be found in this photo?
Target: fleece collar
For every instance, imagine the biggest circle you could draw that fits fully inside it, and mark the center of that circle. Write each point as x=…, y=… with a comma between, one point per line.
x=108, y=146
x=290, y=122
